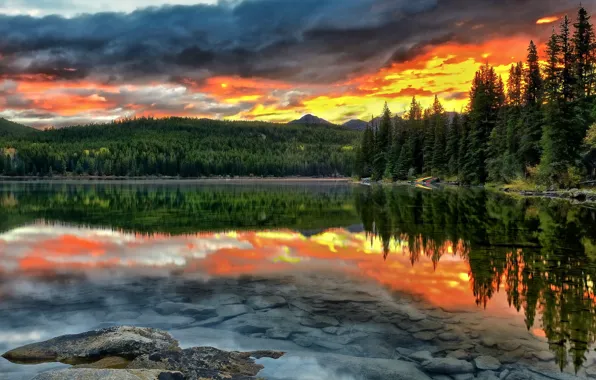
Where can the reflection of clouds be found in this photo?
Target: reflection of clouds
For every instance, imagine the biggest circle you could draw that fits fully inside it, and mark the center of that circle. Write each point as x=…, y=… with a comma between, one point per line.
x=45, y=247
x=14, y=338
x=104, y=255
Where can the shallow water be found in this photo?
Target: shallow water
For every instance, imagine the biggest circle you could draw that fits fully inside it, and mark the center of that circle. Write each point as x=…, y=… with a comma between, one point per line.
x=324, y=272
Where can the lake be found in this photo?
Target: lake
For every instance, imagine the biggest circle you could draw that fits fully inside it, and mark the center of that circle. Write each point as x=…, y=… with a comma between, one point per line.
x=328, y=272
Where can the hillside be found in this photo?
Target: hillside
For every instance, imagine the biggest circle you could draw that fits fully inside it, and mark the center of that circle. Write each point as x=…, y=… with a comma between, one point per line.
x=311, y=120
x=356, y=124
x=184, y=147
x=9, y=128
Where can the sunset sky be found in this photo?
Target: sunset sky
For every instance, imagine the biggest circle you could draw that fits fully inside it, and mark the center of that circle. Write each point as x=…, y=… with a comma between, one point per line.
x=65, y=62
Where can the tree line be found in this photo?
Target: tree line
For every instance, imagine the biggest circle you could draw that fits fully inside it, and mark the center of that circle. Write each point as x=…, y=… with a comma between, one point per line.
x=537, y=126
x=181, y=147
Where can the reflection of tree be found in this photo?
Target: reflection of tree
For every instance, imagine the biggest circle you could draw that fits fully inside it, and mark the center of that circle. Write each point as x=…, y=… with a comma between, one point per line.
x=539, y=251
x=179, y=209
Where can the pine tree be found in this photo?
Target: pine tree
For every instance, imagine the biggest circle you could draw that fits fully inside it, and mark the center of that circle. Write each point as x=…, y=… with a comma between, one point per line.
x=453, y=141
x=438, y=124
x=367, y=151
x=552, y=80
x=429, y=142
x=486, y=99
x=566, y=61
x=532, y=119
x=583, y=54
x=383, y=142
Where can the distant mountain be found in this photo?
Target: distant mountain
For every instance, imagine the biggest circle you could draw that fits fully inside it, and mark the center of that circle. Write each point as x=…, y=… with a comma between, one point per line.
x=9, y=128
x=311, y=120
x=356, y=124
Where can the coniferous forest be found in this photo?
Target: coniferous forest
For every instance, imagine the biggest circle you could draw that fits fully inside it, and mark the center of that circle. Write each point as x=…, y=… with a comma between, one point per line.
x=181, y=147
x=537, y=126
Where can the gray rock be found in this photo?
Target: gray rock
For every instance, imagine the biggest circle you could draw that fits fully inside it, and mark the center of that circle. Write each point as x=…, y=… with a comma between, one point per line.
x=448, y=337
x=110, y=374
x=230, y=311
x=331, y=330
x=518, y=375
x=320, y=321
x=301, y=340
x=509, y=345
x=442, y=377
x=123, y=341
x=276, y=333
x=450, y=366
x=459, y=354
x=421, y=356
x=205, y=362
x=425, y=336
x=504, y=374
x=224, y=299
x=193, y=310
x=544, y=356
x=487, y=363
x=265, y=302
x=487, y=375
x=591, y=372
x=463, y=376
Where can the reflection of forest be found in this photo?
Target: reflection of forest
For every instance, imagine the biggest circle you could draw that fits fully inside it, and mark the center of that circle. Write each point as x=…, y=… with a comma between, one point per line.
x=542, y=252
x=179, y=209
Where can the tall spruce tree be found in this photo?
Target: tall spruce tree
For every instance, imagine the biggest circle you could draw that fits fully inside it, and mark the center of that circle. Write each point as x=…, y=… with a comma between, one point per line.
x=428, y=142
x=438, y=123
x=532, y=118
x=583, y=53
x=383, y=142
x=486, y=99
x=453, y=141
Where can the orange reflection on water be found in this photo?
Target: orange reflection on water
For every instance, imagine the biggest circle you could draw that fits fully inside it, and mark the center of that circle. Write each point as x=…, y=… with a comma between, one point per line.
x=50, y=249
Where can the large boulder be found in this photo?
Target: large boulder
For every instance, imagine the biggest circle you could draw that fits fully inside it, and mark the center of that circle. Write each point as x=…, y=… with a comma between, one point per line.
x=206, y=362
x=125, y=341
x=110, y=374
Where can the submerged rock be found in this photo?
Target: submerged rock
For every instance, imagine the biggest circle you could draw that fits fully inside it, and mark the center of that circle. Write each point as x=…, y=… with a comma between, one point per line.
x=265, y=302
x=487, y=363
x=109, y=374
x=124, y=341
x=448, y=365
x=206, y=362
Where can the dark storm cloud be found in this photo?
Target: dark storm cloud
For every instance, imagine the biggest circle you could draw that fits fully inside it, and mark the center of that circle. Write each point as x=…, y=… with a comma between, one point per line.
x=316, y=41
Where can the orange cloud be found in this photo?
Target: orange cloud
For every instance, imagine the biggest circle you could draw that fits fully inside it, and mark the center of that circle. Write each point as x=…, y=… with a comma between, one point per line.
x=547, y=20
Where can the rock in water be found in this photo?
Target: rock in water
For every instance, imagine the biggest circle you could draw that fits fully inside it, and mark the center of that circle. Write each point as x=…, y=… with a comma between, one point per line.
x=125, y=341
x=450, y=366
x=206, y=362
x=110, y=374
x=487, y=363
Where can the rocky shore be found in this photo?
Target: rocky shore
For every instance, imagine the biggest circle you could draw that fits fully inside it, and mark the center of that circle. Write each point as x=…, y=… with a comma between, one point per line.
x=298, y=327
x=136, y=353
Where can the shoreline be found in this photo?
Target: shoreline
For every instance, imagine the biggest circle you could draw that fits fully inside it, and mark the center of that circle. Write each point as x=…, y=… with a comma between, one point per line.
x=170, y=180
x=578, y=196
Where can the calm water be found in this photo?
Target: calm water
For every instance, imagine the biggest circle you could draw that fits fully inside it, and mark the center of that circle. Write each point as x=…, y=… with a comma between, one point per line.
x=312, y=269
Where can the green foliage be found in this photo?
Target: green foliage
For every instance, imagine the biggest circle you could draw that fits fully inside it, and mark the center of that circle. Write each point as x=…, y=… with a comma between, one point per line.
x=184, y=147
x=11, y=129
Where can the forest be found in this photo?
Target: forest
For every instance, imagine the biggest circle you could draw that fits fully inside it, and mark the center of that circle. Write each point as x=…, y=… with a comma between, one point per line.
x=181, y=147
x=537, y=127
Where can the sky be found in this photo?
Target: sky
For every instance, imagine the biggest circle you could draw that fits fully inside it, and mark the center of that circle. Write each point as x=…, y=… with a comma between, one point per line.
x=67, y=62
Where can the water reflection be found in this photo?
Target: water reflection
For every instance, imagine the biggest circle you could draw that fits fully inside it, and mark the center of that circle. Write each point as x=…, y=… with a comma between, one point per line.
x=540, y=252
x=456, y=249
